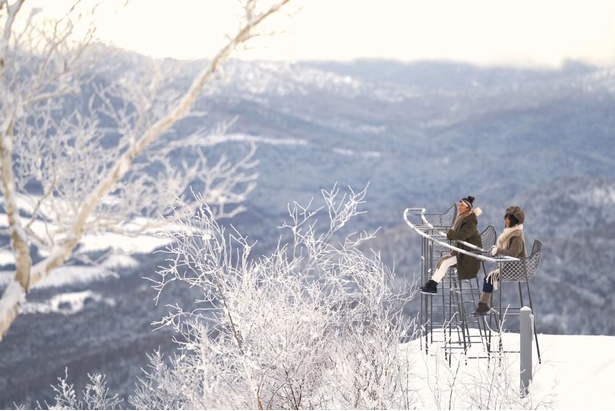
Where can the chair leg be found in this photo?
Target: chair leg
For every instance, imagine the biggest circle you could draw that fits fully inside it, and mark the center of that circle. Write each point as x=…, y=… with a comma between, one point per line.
x=465, y=331
x=481, y=330
x=520, y=295
x=529, y=296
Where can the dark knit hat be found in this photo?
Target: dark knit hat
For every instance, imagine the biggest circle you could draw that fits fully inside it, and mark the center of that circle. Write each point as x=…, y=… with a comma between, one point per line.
x=469, y=200
x=516, y=212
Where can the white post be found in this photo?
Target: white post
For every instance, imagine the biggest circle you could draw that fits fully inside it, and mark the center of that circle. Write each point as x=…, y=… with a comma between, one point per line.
x=526, y=334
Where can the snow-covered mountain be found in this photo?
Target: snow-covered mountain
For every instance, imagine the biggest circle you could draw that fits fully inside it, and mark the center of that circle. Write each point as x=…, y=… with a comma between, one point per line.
x=427, y=134
x=423, y=134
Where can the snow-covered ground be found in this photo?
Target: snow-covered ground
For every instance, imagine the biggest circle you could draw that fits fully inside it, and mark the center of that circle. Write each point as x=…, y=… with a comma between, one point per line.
x=579, y=370
x=576, y=372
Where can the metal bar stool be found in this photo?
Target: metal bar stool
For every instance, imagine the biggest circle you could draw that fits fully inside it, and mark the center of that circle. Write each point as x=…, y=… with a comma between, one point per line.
x=430, y=254
x=520, y=272
x=465, y=297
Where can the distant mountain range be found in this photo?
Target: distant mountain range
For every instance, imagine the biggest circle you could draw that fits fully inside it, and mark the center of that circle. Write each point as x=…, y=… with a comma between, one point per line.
x=427, y=134
x=419, y=135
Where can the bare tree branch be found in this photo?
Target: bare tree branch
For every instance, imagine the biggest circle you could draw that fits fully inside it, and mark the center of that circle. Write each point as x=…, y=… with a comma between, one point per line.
x=317, y=327
x=92, y=178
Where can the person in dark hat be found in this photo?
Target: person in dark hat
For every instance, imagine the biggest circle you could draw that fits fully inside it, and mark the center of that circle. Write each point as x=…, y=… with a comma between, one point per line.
x=465, y=228
x=510, y=243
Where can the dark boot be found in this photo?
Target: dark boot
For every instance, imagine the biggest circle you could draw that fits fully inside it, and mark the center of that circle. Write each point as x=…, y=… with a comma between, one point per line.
x=482, y=309
x=430, y=287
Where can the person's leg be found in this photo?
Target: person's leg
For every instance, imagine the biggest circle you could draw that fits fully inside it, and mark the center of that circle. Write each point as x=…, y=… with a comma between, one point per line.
x=431, y=286
x=485, y=297
x=488, y=284
x=487, y=288
x=443, y=265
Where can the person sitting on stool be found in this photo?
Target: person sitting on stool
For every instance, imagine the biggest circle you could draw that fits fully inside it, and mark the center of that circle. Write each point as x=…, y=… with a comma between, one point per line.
x=510, y=243
x=465, y=228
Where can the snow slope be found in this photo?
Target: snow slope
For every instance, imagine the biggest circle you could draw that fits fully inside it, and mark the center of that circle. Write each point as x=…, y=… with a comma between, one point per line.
x=576, y=372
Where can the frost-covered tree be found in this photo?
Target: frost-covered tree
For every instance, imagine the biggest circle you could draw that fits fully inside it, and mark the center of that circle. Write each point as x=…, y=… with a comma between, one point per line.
x=95, y=395
x=315, y=325
x=74, y=165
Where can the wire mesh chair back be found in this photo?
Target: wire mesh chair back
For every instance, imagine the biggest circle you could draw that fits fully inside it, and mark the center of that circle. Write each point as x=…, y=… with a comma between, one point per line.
x=444, y=220
x=440, y=223
x=488, y=237
x=525, y=268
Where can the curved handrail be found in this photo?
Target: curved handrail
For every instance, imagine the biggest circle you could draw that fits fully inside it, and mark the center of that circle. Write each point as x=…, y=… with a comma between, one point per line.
x=443, y=234
x=447, y=245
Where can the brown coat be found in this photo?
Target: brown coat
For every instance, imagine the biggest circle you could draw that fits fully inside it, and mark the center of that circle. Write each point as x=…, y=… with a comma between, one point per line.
x=515, y=246
x=467, y=266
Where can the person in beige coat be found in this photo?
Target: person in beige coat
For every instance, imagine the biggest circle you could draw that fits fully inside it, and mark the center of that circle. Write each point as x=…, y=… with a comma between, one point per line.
x=510, y=243
x=465, y=228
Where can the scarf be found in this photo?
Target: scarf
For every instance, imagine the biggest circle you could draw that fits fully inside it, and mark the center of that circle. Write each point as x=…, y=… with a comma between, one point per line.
x=506, y=234
x=502, y=242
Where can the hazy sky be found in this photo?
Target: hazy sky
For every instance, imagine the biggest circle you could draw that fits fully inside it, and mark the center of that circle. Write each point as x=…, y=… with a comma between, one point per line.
x=482, y=31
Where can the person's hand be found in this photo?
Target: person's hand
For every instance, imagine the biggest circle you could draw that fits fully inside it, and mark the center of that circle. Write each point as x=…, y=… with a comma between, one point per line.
x=493, y=250
x=449, y=234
